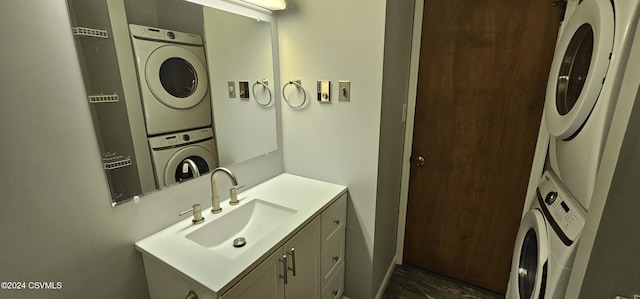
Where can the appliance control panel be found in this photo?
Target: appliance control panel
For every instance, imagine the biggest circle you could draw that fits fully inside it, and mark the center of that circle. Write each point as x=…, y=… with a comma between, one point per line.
x=562, y=206
x=158, y=34
x=179, y=139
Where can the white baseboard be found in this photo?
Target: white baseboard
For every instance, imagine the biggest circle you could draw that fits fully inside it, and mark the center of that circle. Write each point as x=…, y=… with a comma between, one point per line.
x=386, y=279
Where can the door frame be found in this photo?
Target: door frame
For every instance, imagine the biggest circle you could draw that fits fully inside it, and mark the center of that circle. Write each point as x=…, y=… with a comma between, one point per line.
x=409, y=124
x=538, y=160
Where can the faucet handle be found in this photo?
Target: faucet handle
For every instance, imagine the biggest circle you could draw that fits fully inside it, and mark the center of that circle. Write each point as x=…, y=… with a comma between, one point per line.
x=197, y=214
x=233, y=195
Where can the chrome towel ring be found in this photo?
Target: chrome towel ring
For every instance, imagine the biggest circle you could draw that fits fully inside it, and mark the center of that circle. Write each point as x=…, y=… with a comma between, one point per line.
x=265, y=84
x=298, y=84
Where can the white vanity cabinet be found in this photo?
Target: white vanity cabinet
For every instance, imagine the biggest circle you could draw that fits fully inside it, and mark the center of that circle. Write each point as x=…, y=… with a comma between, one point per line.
x=306, y=245
x=318, y=253
x=299, y=258
x=334, y=221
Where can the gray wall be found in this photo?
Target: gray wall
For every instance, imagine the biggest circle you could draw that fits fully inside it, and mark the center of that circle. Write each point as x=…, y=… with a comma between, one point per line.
x=614, y=265
x=356, y=143
x=58, y=224
x=337, y=142
x=56, y=217
x=395, y=85
x=608, y=255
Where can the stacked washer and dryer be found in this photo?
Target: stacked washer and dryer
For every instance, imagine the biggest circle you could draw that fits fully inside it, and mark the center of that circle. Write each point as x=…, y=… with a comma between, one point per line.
x=586, y=73
x=173, y=80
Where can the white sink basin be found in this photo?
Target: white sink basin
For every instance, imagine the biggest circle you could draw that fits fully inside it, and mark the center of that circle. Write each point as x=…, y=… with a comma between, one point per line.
x=251, y=221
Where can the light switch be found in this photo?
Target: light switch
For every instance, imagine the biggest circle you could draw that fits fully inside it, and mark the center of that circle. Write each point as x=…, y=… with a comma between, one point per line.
x=324, y=91
x=232, y=89
x=344, y=91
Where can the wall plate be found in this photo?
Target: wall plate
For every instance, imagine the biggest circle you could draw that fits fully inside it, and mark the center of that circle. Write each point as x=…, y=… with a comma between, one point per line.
x=243, y=89
x=344, y=91
x=231, y=87
x=324, y=91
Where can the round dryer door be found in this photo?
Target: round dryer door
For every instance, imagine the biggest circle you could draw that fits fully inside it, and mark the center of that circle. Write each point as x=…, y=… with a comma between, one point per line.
x=176, y=77
x=188, y=163
x=530, y=257
x=579, y=68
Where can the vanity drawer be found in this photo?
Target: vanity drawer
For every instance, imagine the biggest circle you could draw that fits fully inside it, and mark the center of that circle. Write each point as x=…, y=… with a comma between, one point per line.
x=334, y=219
x=332, y=257
x=335, y=287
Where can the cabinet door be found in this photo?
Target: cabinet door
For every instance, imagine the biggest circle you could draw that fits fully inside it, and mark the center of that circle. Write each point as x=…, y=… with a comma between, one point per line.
x=167, y=283
x=264, y=281
x=303, y=250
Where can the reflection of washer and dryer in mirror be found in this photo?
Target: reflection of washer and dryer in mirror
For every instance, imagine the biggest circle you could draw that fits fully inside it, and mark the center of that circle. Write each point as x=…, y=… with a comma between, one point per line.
x=182, y=156
x=591, y=56
x=174, y=89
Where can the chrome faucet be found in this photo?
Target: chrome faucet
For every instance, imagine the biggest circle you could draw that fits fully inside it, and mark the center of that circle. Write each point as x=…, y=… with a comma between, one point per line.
x=188, y=163
x=215, y=199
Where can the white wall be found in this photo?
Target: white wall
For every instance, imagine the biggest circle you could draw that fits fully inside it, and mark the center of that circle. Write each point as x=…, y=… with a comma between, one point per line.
x=56, y=217
x=337, y=142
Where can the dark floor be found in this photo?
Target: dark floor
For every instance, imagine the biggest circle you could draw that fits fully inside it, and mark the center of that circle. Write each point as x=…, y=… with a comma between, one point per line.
x=409, y=282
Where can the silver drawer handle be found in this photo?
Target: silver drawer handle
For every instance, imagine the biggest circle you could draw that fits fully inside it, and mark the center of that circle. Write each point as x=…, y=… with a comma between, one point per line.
x=292, y=253
x=284, y=269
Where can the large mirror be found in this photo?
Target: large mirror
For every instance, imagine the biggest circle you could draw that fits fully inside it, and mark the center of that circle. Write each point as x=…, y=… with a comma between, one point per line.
x=175, y=89
x=242, y=85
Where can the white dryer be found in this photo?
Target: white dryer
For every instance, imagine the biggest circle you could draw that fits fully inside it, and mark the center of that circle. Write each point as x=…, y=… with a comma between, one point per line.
x=586, y=73
x=182, y=156
x=173, y=79
x=546, y=243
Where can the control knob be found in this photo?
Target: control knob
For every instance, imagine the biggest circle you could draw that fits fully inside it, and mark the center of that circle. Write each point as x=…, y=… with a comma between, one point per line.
x=551, y=197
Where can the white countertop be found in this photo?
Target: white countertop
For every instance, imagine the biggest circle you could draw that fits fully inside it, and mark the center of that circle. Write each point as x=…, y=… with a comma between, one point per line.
x=218, y=273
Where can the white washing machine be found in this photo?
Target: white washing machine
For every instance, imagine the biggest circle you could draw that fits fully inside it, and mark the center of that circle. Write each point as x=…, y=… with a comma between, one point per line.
x=173, y=79
x=582, y=90
x=182, y=156
x=546, y=243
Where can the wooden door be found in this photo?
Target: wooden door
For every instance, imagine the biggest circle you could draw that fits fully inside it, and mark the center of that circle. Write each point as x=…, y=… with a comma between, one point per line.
x=482, y=79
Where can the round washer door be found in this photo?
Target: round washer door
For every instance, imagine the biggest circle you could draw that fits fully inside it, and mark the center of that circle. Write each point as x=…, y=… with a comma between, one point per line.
x=173, y=172
x=579, y=67
x=530, y=257
x=176, y=77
